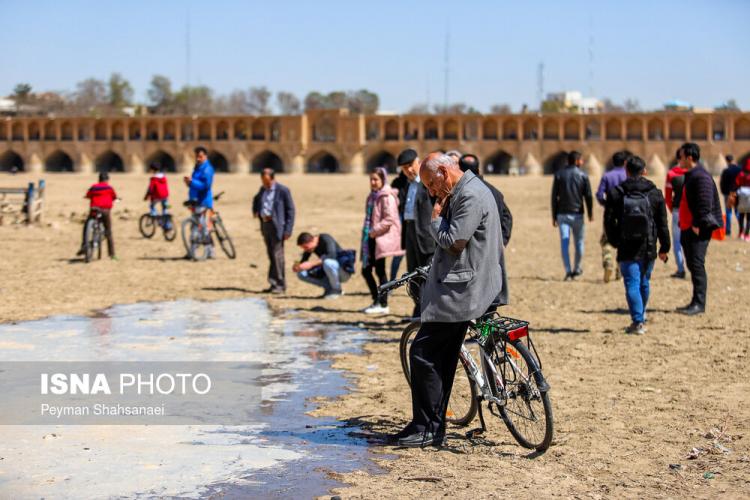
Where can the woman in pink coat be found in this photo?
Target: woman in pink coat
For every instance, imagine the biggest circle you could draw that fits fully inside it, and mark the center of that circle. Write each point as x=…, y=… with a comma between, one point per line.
x=381, y=236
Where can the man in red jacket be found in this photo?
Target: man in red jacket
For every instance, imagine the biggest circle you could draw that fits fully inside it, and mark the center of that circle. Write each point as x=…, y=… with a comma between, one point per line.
x=672, y=196
x=102, y=197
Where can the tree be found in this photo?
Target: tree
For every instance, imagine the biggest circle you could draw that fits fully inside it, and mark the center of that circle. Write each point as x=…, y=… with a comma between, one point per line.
x=419, y=109
x=21, y=93
x=120, y=91
x=610, y=107
x=315, y=100
x=90, y=96
x=198, y=100
x=364, y=102
x=160, y=94
x=500, y=109
x=729, y=105
x=459, y=108
x=288, y=103
x=237, y=103
x=258, y=99
x=631, y=105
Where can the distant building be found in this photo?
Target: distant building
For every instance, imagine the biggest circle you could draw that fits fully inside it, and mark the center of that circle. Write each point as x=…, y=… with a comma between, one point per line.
x=677, y=105
x=7, y=106
x=573, y=102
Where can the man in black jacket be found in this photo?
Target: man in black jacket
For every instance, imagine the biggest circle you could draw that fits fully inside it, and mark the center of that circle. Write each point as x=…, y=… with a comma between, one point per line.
x=635, y=217
x=727, y=185
x=274, y=207
x=570, y=190
x=471, y=162
x=416, y=237
x=700, y=215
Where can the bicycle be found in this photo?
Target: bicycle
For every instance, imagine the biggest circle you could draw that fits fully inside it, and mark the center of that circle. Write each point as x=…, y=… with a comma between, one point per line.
x=196, y=234
x=149, y=222
x=508, y=376
x=93, y=235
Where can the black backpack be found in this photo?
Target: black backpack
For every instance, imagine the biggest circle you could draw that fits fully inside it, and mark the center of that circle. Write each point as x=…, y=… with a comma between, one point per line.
x=637, y=220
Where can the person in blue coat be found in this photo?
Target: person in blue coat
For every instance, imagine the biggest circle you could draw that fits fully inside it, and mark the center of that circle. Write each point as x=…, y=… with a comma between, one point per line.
x=199, y=184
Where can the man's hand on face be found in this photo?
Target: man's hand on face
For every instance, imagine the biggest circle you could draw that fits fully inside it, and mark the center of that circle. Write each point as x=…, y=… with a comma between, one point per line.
x=437, y=208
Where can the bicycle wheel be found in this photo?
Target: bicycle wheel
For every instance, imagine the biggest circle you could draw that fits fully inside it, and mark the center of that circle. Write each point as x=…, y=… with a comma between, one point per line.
x=88, y=240
x=185, y=229
x=224, y=239
x=98, y=239
x=527, y=411
x=462, y=405
x=147, y=226
x=170, y=231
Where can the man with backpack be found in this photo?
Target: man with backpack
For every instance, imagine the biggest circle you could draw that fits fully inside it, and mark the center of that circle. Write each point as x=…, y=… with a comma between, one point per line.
x=635, y=217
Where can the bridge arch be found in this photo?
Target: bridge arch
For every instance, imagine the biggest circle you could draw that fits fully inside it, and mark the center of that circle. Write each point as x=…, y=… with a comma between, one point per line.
x=498, y=163
x=11, y=160
x=267, y=159
x=59, y=161
x=109, y=161
x=219, y=162
x=323, y=162
x=163, y=159
x=382, y=159
x=555, y=162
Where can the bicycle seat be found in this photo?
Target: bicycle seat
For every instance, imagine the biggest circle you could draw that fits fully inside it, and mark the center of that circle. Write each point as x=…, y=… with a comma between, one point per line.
x=191, y=203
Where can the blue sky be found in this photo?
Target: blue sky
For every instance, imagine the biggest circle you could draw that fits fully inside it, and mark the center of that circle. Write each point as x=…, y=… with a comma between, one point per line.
x=652, y=51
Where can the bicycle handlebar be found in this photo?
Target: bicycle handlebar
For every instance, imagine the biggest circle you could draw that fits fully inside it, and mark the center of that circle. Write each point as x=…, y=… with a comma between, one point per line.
x=420, y=272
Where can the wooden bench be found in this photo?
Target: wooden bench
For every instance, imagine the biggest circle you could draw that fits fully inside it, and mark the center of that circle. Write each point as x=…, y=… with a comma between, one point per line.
x=24, y=203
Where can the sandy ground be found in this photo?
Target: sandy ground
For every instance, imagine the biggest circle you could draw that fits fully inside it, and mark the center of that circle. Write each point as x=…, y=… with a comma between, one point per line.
x=625, y=407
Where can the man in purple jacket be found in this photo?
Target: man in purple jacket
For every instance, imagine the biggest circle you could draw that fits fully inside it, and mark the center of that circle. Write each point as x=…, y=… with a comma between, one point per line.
x=611, y=179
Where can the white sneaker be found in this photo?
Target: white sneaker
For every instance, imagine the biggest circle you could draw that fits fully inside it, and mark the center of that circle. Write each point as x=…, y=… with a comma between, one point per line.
x=377, y=309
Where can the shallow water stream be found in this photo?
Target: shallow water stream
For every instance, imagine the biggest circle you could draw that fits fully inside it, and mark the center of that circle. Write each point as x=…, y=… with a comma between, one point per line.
x=279, y=452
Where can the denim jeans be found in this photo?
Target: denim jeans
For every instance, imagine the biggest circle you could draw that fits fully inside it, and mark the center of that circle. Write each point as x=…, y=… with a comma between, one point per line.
x=567, y=223
x=728, y=210
x=164, y=204
x=679, y=256
x=332, y=280
x=636, y=275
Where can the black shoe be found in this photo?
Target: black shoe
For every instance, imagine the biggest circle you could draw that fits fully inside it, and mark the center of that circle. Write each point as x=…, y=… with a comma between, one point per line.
x=394, y=438
x=694, y=310
x=577, y=273
x=569, y=276
x=680, y=275
x=422, y=439
x=685, y=308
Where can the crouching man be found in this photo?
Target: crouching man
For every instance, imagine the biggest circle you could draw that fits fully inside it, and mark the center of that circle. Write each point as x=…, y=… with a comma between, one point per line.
x=332, y=267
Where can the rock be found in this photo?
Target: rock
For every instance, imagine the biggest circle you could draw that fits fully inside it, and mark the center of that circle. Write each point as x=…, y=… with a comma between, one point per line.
x=675, y=466
x=708, y=475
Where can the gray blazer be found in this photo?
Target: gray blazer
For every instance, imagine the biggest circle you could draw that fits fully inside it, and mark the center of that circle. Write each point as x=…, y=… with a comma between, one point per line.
x=465, y=276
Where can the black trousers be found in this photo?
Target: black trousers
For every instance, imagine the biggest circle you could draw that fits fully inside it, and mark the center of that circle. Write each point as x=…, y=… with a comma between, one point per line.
x=695, y=259
x=414, y=259
x=275, y=251
x=433, y=359
x=379, y=266
x=107, y=220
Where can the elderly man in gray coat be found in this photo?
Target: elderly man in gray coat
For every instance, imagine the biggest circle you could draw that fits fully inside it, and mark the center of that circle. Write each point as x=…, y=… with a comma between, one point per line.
x=464, y=279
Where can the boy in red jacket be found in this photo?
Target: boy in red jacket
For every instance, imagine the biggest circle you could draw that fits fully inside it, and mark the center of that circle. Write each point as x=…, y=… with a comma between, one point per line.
x=102, y=197
x=158, y=190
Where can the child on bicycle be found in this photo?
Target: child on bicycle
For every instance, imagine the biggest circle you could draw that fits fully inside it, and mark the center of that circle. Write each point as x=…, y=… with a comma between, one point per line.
x=158, y=190
x=102, y=196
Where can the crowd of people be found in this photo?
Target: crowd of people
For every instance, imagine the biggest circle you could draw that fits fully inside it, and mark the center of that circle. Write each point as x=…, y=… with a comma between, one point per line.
x=398, y=216
x=440, y=211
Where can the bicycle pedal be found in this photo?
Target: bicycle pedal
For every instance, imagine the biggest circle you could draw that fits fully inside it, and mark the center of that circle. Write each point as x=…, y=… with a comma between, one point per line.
x=474, y=433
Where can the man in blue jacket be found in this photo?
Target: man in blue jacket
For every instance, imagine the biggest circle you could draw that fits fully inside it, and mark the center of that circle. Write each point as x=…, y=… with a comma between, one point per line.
x=200, y=188
x=274, y=207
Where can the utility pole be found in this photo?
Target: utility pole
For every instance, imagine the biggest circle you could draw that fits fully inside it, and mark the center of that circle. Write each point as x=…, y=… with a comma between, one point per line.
x=187, y=57
x=447, y=68
x=540, y=84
